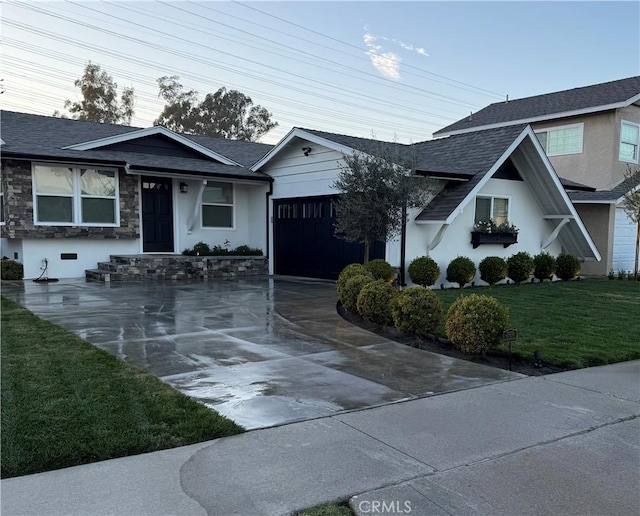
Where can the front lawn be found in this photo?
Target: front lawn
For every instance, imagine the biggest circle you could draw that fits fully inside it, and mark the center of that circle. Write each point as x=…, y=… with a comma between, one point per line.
x=573, y=324
x=65, y=402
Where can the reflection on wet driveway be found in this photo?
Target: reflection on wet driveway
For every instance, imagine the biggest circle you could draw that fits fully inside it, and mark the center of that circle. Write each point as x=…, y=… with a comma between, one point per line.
x=262, y=351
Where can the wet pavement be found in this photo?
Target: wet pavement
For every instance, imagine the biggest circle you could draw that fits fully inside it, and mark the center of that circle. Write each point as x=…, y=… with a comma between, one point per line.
x=261, y=351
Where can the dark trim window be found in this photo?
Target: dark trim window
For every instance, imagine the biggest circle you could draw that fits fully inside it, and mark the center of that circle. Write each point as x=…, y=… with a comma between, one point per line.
x=217, y=205
x=75, y=196
x=492, y=208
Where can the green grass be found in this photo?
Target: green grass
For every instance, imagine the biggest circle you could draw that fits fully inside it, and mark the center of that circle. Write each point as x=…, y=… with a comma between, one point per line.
x=574, y=324
x=65, y=402
x=330, y=509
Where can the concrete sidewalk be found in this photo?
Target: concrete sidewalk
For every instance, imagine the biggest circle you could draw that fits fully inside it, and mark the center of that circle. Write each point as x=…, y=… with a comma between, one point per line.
x=560, y=444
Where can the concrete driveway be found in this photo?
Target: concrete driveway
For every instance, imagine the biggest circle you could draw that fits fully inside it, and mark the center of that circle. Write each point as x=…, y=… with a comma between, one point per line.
x=262, y=351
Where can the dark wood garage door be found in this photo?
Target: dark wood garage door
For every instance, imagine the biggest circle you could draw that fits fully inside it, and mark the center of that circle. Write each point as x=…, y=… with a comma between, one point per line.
x=305, y=243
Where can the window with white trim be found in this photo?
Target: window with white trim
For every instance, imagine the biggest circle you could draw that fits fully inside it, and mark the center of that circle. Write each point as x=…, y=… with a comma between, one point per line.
x=492, y=208
x=629, y=142
x=75, y=196
x=217, y=205
x=566, y=139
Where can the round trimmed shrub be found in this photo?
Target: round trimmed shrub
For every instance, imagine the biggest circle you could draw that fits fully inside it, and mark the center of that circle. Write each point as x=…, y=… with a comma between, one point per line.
x=417, y=311
x=475, y=324
x=545, y=266
x=201, y=249
x=374, y=302
x=380, y=269
x=351, y=290
x=567, y=266
x=520, y=267
x=424, y=271
x=350, y=271
x=493, y=269
x=461, y=270
x=11, y=270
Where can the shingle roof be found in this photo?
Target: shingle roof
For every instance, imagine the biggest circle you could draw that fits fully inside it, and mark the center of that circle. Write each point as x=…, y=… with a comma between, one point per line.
x=611, y=195
x=367, y=145
x=525, y=109
x=41, y=137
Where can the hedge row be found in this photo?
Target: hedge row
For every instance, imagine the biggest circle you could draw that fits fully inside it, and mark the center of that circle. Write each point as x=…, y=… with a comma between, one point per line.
x=474, y=323
x=519, y=267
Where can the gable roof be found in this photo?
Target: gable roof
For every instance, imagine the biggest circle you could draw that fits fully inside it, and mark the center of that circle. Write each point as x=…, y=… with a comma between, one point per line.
x=39, y=137
x=560, y=104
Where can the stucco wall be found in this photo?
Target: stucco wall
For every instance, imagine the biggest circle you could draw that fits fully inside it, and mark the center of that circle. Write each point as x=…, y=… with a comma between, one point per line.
x=599, y=221
x=598, y=164
x=524, y=213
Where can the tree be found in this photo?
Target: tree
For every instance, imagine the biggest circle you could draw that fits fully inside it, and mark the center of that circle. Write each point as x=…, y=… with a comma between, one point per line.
x=223, y=114
x=631, y=206
x=100, y=98
x=377, y=190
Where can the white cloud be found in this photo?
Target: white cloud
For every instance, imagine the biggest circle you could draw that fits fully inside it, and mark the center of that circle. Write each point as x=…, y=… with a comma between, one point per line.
x=387, y=63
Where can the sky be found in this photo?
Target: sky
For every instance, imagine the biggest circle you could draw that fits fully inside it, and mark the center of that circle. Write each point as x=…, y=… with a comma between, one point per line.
x=390, y=70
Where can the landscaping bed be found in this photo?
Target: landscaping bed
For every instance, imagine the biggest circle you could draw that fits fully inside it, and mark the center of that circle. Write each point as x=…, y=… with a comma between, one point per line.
x=66, y=402
x=573, y=324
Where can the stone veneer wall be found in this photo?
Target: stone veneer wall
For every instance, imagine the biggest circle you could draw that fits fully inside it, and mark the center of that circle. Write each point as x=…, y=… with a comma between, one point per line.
x=18, y=206
x=125, y=268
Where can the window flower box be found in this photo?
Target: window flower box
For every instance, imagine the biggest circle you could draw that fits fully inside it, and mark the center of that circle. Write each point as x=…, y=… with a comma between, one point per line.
x=506, y=239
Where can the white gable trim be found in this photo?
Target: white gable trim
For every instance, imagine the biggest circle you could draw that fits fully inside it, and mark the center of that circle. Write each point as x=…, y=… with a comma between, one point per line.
x=542, y=118
x=150, y=131
x=304, y=135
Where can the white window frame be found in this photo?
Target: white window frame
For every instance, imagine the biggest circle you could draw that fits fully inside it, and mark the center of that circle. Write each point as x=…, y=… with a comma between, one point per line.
x=233, y=209
x=637, y=144
x=492, y=197
x=557, y=128
x=76, y=196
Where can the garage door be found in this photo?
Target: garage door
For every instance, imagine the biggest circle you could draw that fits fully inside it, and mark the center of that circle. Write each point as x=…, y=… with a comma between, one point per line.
x=624, y=242
x=304, y=240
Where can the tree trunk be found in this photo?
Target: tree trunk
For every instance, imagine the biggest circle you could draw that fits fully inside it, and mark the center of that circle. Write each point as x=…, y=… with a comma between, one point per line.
x=367, y=246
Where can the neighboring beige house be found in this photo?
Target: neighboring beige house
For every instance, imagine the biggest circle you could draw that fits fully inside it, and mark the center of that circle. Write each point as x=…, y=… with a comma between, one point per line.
x=592, y=136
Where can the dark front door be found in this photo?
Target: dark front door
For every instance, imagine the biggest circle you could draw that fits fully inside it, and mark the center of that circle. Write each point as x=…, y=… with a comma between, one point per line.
x=305, y=243
x=157, y=215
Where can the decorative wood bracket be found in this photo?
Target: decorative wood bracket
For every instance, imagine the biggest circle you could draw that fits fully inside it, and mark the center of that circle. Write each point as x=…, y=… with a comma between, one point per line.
x=196, y=207
x=437, y=239
x=556, y=232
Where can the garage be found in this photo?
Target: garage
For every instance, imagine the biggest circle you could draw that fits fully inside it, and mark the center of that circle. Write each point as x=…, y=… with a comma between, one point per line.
x=624, y=243
x=304, y=241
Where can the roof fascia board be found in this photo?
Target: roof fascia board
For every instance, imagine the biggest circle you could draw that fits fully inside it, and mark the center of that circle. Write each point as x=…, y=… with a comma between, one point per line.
x=196, y=176
x=584, y=201
x=20, y=156
x=563, y=193
x=633, y=100
x=541, y=118
x=471, y=195
x=151, y=131
x=304, y=135
x=144, y=170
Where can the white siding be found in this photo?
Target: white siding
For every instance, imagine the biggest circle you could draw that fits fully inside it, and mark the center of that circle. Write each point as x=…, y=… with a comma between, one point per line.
x=624, y=242
x=524, y=213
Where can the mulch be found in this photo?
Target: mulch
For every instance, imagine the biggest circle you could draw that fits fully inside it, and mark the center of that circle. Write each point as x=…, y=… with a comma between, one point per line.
x=445, y=347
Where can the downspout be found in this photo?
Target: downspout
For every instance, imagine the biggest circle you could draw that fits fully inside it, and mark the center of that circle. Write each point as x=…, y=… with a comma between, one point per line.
x=268, y=219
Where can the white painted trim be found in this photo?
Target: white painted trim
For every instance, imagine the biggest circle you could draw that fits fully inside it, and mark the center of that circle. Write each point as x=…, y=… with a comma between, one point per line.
x=429, y=222
x=637, y=126
x=541, y=118
x=233, y=210
x=151, y=131
x=582, y=201
x=196, y=177
x=555, y=217
x=472, y=194
x=76, y=197
x=547, y=130
x=304, y=135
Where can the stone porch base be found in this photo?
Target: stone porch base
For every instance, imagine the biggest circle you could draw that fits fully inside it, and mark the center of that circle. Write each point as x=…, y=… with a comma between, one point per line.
x=177, y=267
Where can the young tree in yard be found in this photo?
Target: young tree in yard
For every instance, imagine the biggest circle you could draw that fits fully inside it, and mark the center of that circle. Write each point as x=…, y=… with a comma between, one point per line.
x=223, y=114
x=631, y=206
x=376, y=191
x=100, y=98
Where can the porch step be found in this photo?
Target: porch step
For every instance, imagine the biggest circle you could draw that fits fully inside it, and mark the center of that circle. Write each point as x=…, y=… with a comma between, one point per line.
x=102, y=275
